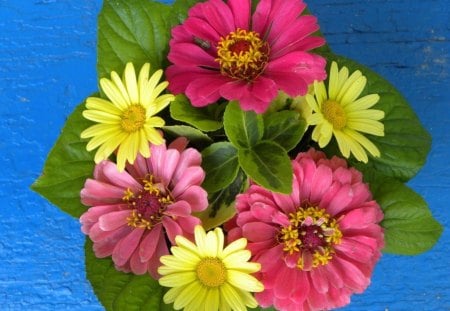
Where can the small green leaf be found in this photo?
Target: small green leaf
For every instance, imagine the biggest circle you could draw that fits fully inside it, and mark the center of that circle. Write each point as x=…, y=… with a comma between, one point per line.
x=181, y=7
x=221, y=165
x=67, y=167
x=192, y=134
x=118, y=291
x=406, y=143
x=268, y=164
x=205, y=119
x=133, y=31
x=410, y=228
x=221, y=203
x=243, y=128
x=284, y=128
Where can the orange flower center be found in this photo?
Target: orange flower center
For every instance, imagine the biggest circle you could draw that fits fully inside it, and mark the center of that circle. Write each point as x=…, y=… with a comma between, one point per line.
x=242, y=55
x=334, y=113
x=311, y=231
x=148, y=205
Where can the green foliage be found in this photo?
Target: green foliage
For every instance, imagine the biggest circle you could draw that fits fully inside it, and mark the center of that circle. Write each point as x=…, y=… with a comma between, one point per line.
x=118, y=291
x=406, y=143
x=410, y=228
x=284, y=127
x=194, y=135
x=67, y=167
x=205, y=119
x=221, y=166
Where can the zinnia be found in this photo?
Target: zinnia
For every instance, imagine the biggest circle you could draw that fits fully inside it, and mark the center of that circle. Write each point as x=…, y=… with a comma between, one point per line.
x=341, y=114
x=206, y=276
x=127, y=120
x=136, y=211
x=317, y=245
x=223, y=50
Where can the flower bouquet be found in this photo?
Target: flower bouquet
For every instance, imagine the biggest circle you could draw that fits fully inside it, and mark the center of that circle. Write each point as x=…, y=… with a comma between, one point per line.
x=230, y=160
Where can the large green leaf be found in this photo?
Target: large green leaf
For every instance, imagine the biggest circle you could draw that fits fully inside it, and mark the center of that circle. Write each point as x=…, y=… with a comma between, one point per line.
x=268, y=164
x=135, y=31
x=192, y=134
x=67, y=167
x=406, y=143
x=205, y=119
x=410, y=228
x=118, y=291
x=221, y=165
x=284, y=128
x=243, y=128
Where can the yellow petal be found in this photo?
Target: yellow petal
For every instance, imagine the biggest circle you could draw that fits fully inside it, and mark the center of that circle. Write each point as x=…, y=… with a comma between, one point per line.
x=131, y=83
x=100, y=130
x=355, y=148
x=121, y=87
x=233, y=247
x=155, y=122
x=363, y=141
x=353, y=91
x=159, y=104
x=143, y=80
x=144, y=148
x=348, y=84
x=366, y=126
x=101, y=117
x=101, y=104
x=147, y=89
x=172, y=294
x=186, y=296
x=153, y=135
x=244, y=281
x=344, y=147
x=232, y=297
x=369, y=114
x=363, y=103
x=320, y=92
x=333, y=81
x=114, y=94
x=212, y=299
x=178, y=279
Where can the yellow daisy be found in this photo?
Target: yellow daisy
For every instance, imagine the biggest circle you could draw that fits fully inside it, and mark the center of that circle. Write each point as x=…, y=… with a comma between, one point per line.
x=206, y=276
x=127, y=120
x=341, y=114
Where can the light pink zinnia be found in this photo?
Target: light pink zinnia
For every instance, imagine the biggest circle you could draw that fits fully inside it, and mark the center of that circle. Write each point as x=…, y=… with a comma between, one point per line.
x=134, y=212
x=318, y=245
x=223, y=50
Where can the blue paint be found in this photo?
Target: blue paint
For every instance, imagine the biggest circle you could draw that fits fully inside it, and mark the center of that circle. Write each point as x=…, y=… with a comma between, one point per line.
x=47, y=67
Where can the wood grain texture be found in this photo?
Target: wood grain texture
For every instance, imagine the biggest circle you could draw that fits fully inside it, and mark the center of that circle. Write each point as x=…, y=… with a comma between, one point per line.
x=47, y=66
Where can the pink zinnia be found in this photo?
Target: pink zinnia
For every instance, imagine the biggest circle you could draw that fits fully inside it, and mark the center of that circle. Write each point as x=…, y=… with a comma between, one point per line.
x=222, y=50
x=134, y=212
x=317, y=245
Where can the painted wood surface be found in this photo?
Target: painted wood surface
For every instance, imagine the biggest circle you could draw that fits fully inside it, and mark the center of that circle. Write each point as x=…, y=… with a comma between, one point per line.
x=47, y=67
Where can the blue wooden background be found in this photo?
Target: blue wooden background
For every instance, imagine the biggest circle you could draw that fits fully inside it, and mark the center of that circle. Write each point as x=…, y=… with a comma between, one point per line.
x=47, y=67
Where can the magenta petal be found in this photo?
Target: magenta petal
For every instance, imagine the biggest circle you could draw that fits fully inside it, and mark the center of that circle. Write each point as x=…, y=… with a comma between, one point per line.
x=190, y=54
x=219, y=16
x=125, y=248
x=260, y=19
x=113, y=220
x=148, y=244
x=198, y=28
x=205, y=91
x=241, y=12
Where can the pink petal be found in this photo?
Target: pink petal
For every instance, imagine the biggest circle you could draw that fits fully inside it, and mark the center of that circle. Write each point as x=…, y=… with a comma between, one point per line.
x=104, y=242
x=260, y=19
x=125, y=248
x=156, y=160
x=199, y=28
x=136, y=265
x=172, y=228
x=178, y=209
x=259, y=231
x=193, y=176
x=352, y=276
x=333, y=274
x=340, y=201
x=205, y=91
x=284, y=202
x=301, y=289
x=180, y=143
x=283, y=15
x=170, y=164
x=319, y=280
x=113, y=220
x=285, y=279
x=219, y=16
x=188, y=224
x=270, y=257
x=100, y=193
x=180, y=77
x=120, y=179
x=359, y=218
x=154, y=263
x=189, y=54
x=139, y=168
x=354, y=250
x=321, y=183
x=189, y=157
x=196, y=197
x=148, y=244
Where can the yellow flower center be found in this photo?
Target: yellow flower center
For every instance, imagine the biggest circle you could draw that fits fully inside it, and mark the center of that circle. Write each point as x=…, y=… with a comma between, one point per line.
x=311, y=230
x=148, y=205
x=242, y=55
x=133, y=118
x=211, y=272
x=334, y=113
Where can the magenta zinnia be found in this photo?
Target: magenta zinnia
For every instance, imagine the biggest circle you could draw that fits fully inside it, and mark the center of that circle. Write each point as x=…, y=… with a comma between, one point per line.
x=223, y=50
x=317, y=245
x=133, y=213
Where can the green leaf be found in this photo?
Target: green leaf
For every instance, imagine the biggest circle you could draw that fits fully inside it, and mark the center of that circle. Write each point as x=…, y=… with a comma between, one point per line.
x=285, y=128
x=135, y=31
x=410, y=228
x=221, y=203
x=67, y=167
x=406, y=143
x=221, y=165
x=205, y=119
x=243, y=128
x=192, y=134
x=268, y=164
x=180, y=8
x=119, y=291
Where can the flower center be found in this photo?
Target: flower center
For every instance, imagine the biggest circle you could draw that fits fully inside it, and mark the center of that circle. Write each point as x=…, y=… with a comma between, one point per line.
x=148, y=205
x=335, y=114
x=133, y=118
x=211, y=272
x=242, y=55
x=313, y=233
